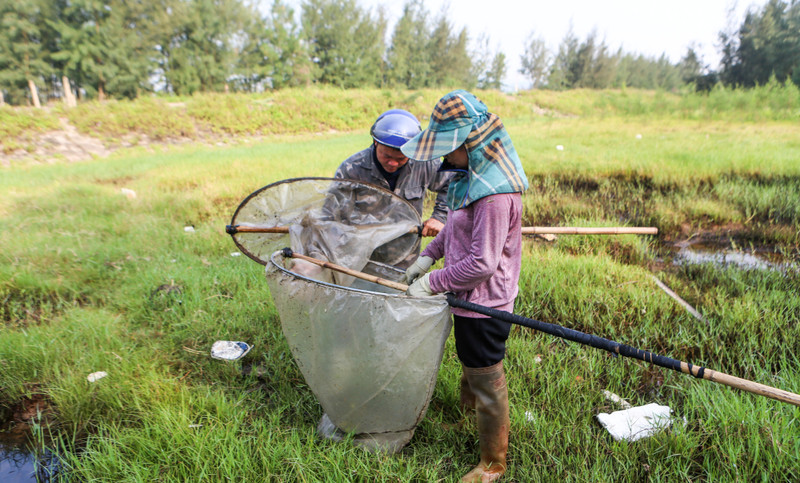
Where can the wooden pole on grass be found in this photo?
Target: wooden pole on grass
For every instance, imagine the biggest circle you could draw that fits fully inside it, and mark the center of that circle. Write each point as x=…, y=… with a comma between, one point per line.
x=526, y=230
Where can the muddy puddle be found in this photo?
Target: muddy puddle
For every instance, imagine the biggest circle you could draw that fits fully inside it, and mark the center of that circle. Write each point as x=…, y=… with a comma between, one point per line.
x=755, y=259
x=24, y=456
x=23, y=459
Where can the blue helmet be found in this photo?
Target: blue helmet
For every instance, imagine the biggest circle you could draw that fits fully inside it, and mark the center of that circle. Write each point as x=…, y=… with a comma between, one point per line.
x=394, y=128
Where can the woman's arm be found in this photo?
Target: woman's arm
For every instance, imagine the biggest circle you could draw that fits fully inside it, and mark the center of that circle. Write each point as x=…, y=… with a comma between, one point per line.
x=490, y=228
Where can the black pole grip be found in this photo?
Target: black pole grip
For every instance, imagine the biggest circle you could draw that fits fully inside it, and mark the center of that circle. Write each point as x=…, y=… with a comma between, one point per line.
x=576, y=336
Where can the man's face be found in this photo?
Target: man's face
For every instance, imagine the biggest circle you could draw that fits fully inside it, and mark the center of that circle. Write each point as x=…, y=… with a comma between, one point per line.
x=391, y=159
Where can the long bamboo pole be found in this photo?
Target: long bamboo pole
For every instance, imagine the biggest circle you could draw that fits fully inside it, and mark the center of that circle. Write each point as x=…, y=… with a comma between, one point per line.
x=601, y=230
x=699, y=372
x=526, y=230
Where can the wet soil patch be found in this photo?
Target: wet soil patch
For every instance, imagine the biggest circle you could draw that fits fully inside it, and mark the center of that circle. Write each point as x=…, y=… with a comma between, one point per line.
x=730, y=246
x=762, y=258
x=36, y=406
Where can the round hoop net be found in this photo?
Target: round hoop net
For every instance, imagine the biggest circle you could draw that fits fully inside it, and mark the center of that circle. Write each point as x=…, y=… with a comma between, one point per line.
x=343, y=221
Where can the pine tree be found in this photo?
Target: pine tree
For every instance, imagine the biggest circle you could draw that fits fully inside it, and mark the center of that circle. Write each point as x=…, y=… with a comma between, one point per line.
x=23, y=52
x=102, y=48
x=272, y=55
x=197, y=43
x=346, y=43
x=493, y=77
x=535, y=61
x=451, y=64
x=766, y=44
x=604, y=67
x=793, y=41
x=561, y=74
x=409, y=63
x=691, y=66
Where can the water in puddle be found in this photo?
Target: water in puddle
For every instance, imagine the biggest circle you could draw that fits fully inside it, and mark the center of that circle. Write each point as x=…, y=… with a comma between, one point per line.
x=22, y=460
x=692, y=255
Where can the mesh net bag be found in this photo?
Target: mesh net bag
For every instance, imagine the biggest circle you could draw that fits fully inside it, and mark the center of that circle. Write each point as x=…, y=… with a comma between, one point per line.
x=370, y=354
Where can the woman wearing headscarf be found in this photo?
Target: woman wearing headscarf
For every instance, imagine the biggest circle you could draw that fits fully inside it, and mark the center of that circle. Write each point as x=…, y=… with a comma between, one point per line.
x=482, y=249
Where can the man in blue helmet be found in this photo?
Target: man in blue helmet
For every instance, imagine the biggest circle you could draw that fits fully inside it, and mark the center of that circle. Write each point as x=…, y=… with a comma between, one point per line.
x=383, y=164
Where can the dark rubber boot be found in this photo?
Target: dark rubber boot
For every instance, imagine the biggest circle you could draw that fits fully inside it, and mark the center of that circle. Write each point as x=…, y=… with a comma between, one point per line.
x=488, y=384
x=467, y=402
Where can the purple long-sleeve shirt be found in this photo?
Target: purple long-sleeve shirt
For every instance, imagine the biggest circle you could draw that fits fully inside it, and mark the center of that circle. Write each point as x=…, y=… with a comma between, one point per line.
x=482, y=248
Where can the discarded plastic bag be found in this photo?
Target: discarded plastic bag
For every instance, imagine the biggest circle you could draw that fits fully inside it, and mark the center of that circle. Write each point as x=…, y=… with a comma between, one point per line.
x=637, y=422
x=96, y=376
x=229, y=350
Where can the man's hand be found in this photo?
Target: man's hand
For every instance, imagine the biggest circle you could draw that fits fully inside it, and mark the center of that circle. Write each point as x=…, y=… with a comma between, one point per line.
x=420, y=288
x=417, y=269
x=432, y=227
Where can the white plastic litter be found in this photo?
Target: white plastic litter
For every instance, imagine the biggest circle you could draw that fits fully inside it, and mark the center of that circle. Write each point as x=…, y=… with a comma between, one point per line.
x=229, y=350
x=638, y=136
x=188, y=229
x=236, y=254
x=96, y=376
x=560, y=147
x=128, y=192
x=637, y=422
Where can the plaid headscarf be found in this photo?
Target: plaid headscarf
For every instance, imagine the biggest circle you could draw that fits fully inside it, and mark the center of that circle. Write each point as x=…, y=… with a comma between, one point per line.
x=494, y=166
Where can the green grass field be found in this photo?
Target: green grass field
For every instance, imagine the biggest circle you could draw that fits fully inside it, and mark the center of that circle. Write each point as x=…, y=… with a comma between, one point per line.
x=92, y=280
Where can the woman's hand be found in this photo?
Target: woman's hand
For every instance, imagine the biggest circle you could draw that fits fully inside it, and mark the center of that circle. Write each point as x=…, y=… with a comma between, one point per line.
x=421, y=287
x=417, y=269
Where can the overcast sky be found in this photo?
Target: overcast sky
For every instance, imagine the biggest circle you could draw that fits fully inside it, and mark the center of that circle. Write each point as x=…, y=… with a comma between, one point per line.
x=644, y=27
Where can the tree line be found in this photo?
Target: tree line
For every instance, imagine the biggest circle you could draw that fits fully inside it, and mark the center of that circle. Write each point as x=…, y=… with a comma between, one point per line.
x=123, y=48
x=765, y=45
